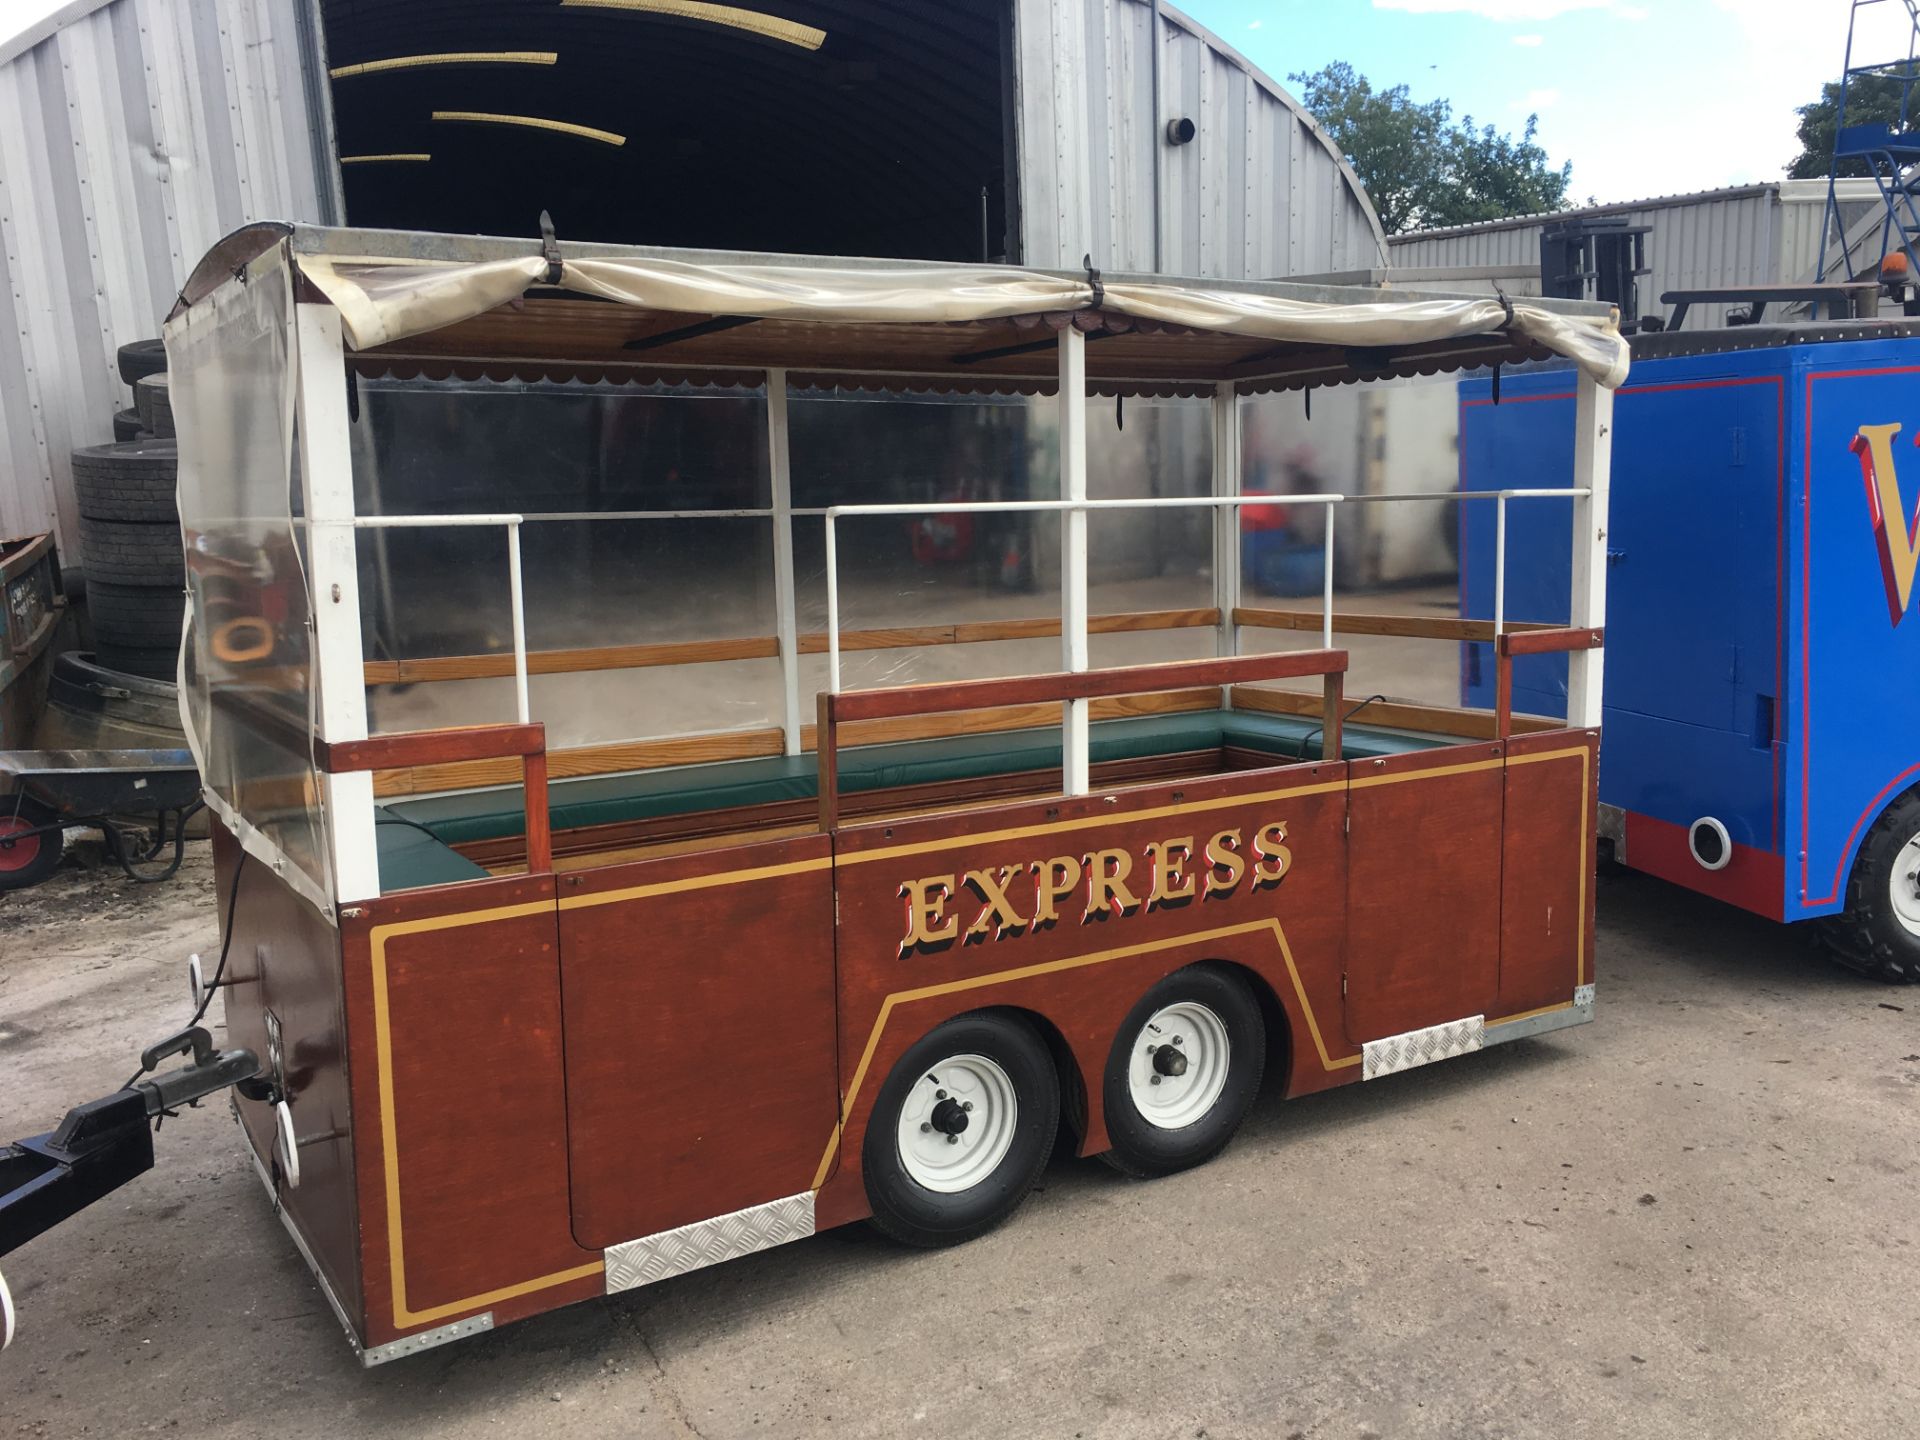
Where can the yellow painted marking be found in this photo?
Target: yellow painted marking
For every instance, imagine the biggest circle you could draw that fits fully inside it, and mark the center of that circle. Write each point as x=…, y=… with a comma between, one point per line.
x=419, y=159
x=695, y=882
x=1098, y=957
x=383, y=1054
x=1111, y=817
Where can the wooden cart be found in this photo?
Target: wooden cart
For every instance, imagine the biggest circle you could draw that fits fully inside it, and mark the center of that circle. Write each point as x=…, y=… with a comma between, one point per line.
x=538, y=1024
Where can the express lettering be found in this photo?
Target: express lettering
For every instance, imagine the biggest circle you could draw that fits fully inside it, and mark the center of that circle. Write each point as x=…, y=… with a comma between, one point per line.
x=978, y=906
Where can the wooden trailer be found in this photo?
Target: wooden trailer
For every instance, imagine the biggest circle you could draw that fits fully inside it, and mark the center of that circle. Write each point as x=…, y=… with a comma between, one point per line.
x=540, y=1021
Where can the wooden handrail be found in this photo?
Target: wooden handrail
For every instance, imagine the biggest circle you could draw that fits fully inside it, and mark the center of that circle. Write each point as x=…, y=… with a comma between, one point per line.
x=431, y=668
x=1059, y=687
x=1553, y=641
x=467, y=742
x=1355, y=622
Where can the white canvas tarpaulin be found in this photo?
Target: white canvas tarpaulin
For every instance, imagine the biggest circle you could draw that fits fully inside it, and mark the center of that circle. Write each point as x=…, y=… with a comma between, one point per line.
x=382, y=303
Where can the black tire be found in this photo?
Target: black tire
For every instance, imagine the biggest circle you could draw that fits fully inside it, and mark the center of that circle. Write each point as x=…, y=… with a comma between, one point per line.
x=127, y=425
x=139, y=615
x=132, y=553
x=915, y=1214
x=1217, y=997
x=1868, y=936
x=152, y=662
x=150, y=404
x=28, y=861
x=142, y=357
x=132, y=480
x=159, y=406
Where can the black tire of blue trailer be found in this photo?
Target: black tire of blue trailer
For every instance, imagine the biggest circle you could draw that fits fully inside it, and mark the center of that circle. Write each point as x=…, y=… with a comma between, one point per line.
x=1185, y=1068
x=141, y=357
x=1876, y=934
x=128, y=480
x=133, y=552
x=978, y=1101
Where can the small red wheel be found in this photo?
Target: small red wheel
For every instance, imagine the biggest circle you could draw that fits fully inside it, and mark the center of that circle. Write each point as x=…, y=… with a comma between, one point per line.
x=28, y=854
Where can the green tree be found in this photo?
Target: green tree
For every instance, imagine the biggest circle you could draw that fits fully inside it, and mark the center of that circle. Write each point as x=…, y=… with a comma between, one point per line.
x=1421, y=168
x=1872, y=99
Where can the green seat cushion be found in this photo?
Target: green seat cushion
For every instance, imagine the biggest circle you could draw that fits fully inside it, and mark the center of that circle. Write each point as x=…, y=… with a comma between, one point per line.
x=410, y=857
x=1285, y=734
x=691, y=789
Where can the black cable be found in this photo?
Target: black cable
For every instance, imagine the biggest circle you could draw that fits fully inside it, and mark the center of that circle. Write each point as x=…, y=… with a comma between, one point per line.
x=220, y=967
x=1302, y=753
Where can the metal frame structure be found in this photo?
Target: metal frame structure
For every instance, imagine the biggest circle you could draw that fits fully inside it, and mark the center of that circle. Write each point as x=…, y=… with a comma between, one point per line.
x=339, y=657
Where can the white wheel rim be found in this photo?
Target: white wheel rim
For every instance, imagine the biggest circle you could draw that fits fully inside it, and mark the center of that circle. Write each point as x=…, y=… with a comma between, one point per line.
x=1903, y=885
x=957, y=1123
x=6, y=1314
x=1174, y=1090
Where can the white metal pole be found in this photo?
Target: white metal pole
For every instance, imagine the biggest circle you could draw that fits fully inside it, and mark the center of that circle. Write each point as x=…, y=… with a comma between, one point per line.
x=786, y=602
x=833, y=610
x=1592, y=471
x=516, y=596
x=1227, y=483
x=326, y=471
x=1499, y=566
x=1075, y=738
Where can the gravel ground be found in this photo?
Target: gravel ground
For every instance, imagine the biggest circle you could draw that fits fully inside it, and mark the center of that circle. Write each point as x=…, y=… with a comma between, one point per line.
x=1693, y=1218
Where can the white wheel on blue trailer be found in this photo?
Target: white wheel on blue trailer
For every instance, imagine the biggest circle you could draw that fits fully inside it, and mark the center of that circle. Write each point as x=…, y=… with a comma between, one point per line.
x=1879, y=931
x=6, y=1314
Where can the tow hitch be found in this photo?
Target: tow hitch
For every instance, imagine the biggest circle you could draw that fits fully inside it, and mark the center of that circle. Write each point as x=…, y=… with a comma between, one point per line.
x=104, y=1143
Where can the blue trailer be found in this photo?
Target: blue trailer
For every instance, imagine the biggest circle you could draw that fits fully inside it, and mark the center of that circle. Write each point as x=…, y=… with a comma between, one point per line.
x=1762, y=690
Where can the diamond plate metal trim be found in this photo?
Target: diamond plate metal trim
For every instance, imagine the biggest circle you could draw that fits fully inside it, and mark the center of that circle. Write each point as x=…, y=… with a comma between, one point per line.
x=708, y=1242
x=1422, y=1047
x=1583, y=995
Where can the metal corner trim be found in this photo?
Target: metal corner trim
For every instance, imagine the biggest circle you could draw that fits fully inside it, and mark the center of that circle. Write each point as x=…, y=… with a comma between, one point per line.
x=426, y=1340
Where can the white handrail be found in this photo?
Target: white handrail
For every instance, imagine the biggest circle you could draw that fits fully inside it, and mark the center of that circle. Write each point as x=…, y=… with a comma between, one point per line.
x=515, y=593
x=834, y=513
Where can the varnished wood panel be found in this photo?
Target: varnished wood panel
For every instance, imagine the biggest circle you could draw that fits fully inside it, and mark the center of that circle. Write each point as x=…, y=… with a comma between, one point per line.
x=454, y=1012
x=1423, y=889
x=700, y=1033
x=1082, y=974
x=1546, y=913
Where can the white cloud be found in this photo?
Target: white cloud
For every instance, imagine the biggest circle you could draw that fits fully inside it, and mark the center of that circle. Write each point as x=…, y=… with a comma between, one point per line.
x=1530, y=41
x=1511, y=11
x=1539, y=100
x=1254, y=24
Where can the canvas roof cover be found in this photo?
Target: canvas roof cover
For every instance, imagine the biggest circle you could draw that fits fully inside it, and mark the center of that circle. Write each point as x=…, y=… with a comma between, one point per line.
x=918, y=318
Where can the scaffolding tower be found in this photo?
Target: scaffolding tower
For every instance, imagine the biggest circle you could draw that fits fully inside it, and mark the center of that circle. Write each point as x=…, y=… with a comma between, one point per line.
x=1889, y=149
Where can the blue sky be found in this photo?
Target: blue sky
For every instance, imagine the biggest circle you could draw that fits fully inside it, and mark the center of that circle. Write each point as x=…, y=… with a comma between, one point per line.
x=1645, y=97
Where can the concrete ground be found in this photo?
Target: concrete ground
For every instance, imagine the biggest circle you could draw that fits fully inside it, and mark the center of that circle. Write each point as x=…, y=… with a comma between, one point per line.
x=1694, y=1218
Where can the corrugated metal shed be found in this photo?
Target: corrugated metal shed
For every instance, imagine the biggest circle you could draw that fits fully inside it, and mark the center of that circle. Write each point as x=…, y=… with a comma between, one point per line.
x=1752, y=235
x=132, y=136
x=1259, y=191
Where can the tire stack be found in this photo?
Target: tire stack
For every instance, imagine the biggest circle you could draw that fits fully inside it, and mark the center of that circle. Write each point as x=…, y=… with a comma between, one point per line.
x=130, y=526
